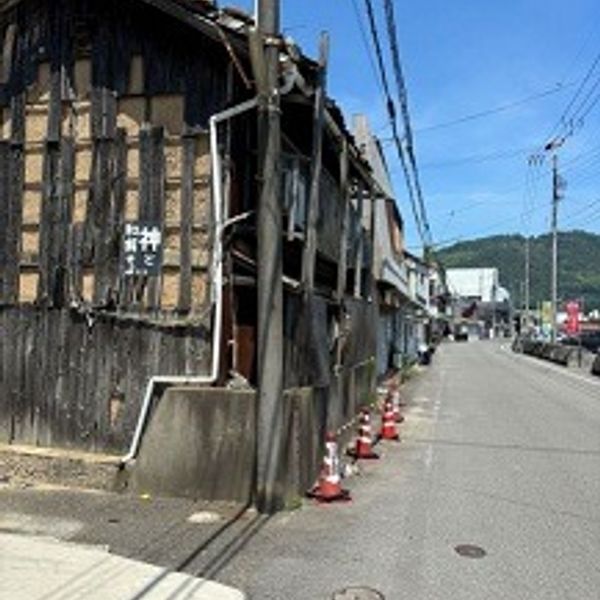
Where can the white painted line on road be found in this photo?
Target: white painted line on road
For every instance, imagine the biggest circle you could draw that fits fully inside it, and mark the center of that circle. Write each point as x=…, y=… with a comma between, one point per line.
x=429, y=456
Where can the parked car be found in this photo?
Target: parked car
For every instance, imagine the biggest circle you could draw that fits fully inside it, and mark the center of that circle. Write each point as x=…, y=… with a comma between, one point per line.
x=590, y=340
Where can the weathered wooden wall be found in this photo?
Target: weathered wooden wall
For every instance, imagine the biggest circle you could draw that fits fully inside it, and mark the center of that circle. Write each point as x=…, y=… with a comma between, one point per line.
x=104, y=121
x=332, y=351
x=74, y=379
x=104, y=109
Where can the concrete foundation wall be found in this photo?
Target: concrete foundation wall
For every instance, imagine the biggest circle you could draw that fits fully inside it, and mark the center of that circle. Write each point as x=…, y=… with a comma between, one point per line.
x=199, y=443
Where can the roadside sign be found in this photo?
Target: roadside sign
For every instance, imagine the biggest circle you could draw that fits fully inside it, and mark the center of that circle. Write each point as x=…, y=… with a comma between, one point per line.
x=142, y=248
x=573, y=311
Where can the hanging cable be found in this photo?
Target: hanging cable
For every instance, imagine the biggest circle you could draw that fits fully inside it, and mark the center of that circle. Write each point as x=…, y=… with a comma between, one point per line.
x=391, y=110
x=403, y=102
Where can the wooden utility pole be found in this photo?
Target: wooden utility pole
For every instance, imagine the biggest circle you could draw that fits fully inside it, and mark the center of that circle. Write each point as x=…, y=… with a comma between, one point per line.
x=269, y=424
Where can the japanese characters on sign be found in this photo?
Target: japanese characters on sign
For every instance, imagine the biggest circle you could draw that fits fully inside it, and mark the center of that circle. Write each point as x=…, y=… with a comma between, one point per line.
x=142, y=248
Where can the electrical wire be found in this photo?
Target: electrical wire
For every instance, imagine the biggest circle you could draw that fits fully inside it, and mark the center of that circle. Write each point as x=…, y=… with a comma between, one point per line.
x=560, y=87
x=477, y=158
x=363, y=35
x=565, y=121
x=391, y=110
x=403, y=102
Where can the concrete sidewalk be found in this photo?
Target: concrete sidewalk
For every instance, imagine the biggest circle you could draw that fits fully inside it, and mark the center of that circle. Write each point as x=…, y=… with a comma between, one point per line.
x=41, y=568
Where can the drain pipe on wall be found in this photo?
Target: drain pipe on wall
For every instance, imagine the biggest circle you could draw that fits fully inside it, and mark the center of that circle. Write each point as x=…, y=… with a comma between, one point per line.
x=216, y=289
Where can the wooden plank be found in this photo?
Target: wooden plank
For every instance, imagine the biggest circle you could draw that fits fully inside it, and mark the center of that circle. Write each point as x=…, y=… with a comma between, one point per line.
x=55, y=107
x=373, y=216
x=101, y=192
x=145, y=202
x=344, y=188
x=8, y=49
x=156, y=209
x=15, y=373
x=6, y=349
x=17, y=116
x=64, y=213
x=104, y=113
x=4, y=212
x=47, y=248
x=74, y=397
x=145, y=180
x=74, y=261
x=66, y=357
x=117, y=216
x=359, y=241
x=187, y=220
x=54, y=43
x=310, y=241
x=13, y=232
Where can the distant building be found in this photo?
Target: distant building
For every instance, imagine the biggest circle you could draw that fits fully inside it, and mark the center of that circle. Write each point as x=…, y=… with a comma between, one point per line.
x=479, y=298
x=479, y=284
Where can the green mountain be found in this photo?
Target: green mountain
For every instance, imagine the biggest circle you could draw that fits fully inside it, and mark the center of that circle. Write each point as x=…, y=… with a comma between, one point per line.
x=578, y=264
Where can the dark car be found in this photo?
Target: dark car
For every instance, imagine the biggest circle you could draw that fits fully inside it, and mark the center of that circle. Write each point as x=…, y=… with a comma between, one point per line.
x=590, y=340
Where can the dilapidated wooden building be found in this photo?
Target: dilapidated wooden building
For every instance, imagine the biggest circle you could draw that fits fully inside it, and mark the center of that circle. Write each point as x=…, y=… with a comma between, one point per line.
x=128, y=232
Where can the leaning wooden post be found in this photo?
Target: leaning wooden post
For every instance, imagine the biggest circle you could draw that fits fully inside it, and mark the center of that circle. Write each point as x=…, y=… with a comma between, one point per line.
x=360, y=248
x=345, y=198
x=310, y=240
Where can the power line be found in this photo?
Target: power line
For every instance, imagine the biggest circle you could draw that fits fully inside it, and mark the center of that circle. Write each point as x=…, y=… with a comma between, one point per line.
x=477, y=158
x=498, y=109
x=392, y=117
x=363, y=35
x=403, y=101
x=562, y=121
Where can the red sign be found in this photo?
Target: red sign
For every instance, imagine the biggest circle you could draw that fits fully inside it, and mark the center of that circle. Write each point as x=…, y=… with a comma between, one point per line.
x=572, y=324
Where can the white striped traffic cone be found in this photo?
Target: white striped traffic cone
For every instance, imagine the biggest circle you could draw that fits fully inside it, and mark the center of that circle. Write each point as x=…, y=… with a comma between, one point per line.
x=328, y=487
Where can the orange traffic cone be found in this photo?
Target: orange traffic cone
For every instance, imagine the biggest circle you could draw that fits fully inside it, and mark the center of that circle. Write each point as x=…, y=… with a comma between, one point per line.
x=328, y=487
x=364, y=441
x=388, y=422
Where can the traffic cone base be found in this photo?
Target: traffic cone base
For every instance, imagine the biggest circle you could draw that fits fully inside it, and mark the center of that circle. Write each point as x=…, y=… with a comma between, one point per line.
x=329, y=492
x=362, y=451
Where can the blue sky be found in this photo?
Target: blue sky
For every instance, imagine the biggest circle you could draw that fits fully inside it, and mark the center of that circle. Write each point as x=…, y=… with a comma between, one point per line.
x=462, y=57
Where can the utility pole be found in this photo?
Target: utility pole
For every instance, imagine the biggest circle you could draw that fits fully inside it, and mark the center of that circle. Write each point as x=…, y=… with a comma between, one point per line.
x=527, y=282
x=269, y=424
x=557, y=185
x=555, y=198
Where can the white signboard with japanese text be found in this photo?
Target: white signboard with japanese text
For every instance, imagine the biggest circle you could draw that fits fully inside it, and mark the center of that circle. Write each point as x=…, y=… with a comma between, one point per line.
x=142, y=248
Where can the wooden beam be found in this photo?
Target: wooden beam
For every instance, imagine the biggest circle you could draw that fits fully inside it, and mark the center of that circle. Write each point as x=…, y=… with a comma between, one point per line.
x=310, y=240
x=48, y=259
x=360, y=249
x=186, y=223
x=344, y=190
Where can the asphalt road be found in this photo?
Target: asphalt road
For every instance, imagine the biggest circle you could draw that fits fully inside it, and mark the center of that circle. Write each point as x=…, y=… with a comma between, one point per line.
x=499, y=451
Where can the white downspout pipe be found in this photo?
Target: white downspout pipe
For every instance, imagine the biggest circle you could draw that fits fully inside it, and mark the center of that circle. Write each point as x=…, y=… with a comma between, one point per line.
x=216, y=288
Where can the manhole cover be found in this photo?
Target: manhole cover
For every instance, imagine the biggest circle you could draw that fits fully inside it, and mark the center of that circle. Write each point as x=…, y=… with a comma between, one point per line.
x=470, y=551
x=358, y=593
